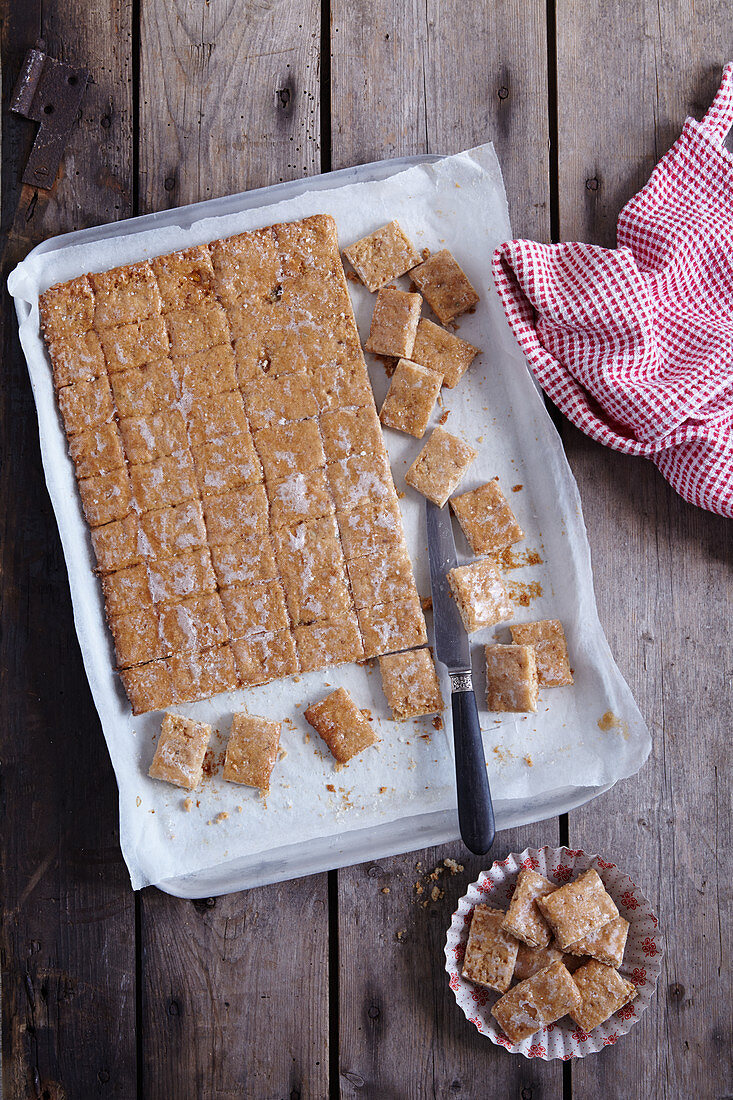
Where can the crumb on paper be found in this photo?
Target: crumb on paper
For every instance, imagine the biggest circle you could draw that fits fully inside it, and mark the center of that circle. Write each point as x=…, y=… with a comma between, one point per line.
x=479, y=439
x=221, y=817
x=330, y=787
x=522, y=594
x=138, y=801
x=383, y=790
x=443, y=418
x=188, y=805
x=282, y=753
x=517, y=488
x=453, y=865
x=529, y=761
x=437, y=722
x=238, y=809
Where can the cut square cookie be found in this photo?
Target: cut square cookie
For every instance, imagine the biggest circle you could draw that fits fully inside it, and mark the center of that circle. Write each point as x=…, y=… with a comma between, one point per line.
x=196, y=328
x=487, y=520
x=577, y=909
x=511, y=678
x=106, y=498
x=371, y=526
x=381, y=577
x=490, y=952
x=136, y=637
x=126, y=590
x=166, y=532
x=67, y=309
x=300, y=497
x=124, y=294
x=193, y=625
x=276, y=400
x=287, y=449
x=389, y=627
x=189, y=573
x=148, y=687
x=200, y=675
x=382, y=256
x=547, y=637
x=252, y=751
x=179, y=756
x=480, y=594
x=97, y=451
x=536, y=1002
x=329, y=642
x=240, y=513
x=410, y=684
x=602, y=992
x=394, y=323
x=350, y=431
x=341, y=724
x=206, y=373
x=443, y=352
x=342, y=384
x=134, y=344
x=312, y=569
x=530, y=960
x=185, y=278
x=215, y=418
x=607, y=944
x=255, y=609
x=144, y=390
x=443, y=284
x=77, y=358
x=264, y=657
x=246, y=561
x=147, y=438
x=523, y=919
x=86, y=405
x=440, y=466
x=117, y=544
x=360, y=480
x=224, y=464
x=165, y=482
x=411, y=398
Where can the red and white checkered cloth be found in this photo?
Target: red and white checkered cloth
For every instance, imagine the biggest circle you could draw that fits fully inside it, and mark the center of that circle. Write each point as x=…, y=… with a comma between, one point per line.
x=635, y=344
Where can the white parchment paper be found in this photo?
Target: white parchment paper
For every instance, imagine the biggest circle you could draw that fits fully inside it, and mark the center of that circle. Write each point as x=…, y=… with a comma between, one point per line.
x=545, y=758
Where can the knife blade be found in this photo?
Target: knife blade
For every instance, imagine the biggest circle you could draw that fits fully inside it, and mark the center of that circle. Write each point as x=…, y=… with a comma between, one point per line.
x=475, y=810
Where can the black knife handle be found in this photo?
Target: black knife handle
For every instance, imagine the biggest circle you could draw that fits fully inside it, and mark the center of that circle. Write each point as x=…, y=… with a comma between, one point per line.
x=475, y=811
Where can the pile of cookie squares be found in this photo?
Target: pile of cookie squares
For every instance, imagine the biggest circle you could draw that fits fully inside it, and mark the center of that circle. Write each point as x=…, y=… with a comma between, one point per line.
x=563, y=947
x=423, y=357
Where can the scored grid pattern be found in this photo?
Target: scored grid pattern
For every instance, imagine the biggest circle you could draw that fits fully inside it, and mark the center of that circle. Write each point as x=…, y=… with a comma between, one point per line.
x=231, y=465
x=635, y=345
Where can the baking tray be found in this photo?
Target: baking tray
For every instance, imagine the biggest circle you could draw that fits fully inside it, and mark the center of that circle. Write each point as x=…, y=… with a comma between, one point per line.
x=338, y=848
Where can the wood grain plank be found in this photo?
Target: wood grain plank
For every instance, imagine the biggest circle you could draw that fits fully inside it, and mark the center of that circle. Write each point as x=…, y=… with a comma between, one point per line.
x=430, y=77
x=229, y=97
x=68, y=922
x=408, y=79
x=235, y=993
x=662, y=568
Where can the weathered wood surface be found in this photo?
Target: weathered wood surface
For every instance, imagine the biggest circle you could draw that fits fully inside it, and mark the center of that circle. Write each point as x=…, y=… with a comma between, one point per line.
x=68, y=926
x=669, y=824
x=306, y=989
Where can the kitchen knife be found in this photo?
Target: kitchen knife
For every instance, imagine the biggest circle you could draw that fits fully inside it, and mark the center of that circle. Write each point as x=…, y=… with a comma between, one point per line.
x=475, y=811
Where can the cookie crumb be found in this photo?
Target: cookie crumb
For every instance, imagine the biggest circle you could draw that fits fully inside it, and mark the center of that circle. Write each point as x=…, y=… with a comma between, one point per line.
x=386, y=890
x=529, y=761
x=453, y=866
x=187, y=805
x=399, y=935
x=138, y=801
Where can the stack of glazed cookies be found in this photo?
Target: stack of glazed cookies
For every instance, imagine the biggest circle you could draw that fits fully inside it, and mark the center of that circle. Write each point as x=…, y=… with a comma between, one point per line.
x=563, y=947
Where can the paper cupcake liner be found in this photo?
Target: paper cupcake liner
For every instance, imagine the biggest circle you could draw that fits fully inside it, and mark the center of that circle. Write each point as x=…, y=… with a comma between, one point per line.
x=641, y=964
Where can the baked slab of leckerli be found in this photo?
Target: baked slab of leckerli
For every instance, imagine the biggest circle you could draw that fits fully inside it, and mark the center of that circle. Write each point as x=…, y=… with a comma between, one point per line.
x=341, y=724
x=480, y=594
x=578, y=909
x=194, y=420
x=179, y=756
x=536, y=1002
x=411, y=397
x=602, y=992
x=251, y=751
x=490, y=951
x=523, y=919
x=439, y=467
x=382, y=256
x=486, y=519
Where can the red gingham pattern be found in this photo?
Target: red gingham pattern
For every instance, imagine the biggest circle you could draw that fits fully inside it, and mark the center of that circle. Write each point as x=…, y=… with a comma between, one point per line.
x=635, y=344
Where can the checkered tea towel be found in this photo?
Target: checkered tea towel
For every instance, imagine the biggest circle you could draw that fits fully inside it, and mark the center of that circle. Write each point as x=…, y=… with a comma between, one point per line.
x=635, y=344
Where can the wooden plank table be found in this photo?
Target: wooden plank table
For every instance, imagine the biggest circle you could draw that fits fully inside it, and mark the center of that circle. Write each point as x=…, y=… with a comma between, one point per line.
x=304, y=989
